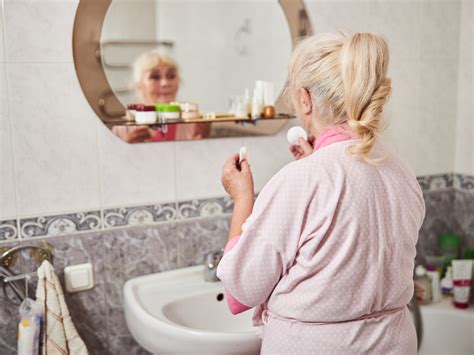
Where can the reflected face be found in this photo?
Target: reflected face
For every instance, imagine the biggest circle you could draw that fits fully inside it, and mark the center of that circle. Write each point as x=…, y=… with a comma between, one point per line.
x=159, y=85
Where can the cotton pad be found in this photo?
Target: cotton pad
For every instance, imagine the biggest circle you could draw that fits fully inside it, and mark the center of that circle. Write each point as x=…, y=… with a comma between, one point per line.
x=295, y=133
x=242, y=154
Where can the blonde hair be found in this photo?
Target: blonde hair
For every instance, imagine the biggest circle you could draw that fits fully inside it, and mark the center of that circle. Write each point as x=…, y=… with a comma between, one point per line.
x=149, y=60
x=346, y=78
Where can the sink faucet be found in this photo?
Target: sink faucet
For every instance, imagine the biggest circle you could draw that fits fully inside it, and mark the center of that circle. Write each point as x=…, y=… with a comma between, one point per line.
x=211, y=260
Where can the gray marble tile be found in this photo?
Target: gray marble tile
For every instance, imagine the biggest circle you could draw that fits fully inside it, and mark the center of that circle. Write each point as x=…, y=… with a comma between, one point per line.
x=464, y=216
x=198, y=237
x=9, y=318
x=87, y=308
x=130, y=253
x=438, y=219
x=8, y=328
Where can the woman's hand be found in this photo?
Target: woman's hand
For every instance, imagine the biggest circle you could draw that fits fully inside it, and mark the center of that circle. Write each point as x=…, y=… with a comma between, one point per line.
x=237, y=179
x=303, y=149
x=138, y=135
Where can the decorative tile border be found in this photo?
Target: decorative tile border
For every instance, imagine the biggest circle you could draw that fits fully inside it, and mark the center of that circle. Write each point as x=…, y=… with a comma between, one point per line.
x=65, y=224
x=8, y=230
x=205, y=208
x=435, y=182
x=446, y=181
x=132, y=216
x=463, y=182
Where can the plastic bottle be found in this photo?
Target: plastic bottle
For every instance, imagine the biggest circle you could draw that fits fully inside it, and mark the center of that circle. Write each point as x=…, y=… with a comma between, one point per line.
x=248, y=103
x=422, y=285
x=447, y=282
x=256, y=108
x=449, y=245
x=435, y=283
x=29, y=328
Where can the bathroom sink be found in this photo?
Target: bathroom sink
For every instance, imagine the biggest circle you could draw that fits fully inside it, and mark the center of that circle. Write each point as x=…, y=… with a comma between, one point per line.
x=178, y=312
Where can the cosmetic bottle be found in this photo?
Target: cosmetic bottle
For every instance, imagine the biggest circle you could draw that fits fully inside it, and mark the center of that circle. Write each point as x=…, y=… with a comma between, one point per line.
x=256, y=109
x=447, y=282
x=435, y=283
x=422, y=285
x=462, y=277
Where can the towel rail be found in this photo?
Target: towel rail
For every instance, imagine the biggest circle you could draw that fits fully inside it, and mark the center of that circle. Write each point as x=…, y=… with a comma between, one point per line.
x=39, y=253
x=20, y=277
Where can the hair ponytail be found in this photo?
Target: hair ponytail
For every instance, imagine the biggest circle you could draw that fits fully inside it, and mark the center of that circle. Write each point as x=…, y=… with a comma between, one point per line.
x=364, y=61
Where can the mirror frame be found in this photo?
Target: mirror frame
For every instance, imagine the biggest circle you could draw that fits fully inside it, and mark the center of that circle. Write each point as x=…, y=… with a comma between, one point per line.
x=87, y=53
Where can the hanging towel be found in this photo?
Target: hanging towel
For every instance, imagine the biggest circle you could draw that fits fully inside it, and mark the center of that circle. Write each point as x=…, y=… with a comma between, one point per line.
x=59, y=334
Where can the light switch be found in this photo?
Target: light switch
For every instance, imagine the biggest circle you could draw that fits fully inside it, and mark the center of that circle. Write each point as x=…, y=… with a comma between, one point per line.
x=79, y=277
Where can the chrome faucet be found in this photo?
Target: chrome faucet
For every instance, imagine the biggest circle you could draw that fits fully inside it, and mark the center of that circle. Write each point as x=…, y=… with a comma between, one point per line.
x=211, y=260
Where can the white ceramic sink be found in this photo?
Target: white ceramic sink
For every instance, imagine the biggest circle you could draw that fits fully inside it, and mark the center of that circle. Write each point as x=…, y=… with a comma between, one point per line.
x=178, y=312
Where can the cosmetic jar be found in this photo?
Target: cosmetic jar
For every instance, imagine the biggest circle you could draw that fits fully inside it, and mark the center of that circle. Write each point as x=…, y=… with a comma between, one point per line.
x=269, y=112
x=145, y=114
x=189, y=110
x=168, y=111
x=131, y=112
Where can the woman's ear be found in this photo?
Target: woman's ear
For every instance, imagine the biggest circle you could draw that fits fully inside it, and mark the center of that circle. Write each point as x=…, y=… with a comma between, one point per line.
x=306, y=103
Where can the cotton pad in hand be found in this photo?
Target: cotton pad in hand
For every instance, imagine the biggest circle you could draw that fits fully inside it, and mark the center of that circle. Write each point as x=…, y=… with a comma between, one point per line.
x=242, y=154
x=295, y=133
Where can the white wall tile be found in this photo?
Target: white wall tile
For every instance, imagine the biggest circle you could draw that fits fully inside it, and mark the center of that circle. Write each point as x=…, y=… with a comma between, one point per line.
x=267, y=155
x=2, y=35
x=135, y=174
x=199, y=165
x=466, y=37
x=331, y=16
x=464, y=160
x=436, y=120
x=55, y=142
x=39, y=31
x=438, y=27
x=464, y=141
x=401, y=111
x=396, y=20
x=7, y=178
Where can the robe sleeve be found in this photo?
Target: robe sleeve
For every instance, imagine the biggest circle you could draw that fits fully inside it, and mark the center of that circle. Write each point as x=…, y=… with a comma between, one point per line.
x=235, y=306
x=251, y=268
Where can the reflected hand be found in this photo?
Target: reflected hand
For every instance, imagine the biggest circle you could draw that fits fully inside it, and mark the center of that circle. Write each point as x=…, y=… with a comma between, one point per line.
x=303, y=149
x=138, y=135
x=237, y=179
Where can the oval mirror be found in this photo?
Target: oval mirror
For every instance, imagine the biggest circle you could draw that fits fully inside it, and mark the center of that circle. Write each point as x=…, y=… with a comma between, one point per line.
x=209, y=60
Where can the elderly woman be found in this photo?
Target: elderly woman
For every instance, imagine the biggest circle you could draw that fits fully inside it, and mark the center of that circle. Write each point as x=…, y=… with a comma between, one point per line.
x=326, y=253
x=156, y=80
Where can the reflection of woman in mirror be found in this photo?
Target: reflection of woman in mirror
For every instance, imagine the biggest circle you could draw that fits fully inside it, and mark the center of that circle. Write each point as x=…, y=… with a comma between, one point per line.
x=156, y=80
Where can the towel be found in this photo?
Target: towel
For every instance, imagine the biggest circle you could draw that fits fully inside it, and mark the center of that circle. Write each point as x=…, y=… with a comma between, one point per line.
x=59, y=333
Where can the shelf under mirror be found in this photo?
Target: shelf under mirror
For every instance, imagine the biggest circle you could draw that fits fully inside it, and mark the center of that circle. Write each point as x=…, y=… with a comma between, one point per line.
x=124, y=121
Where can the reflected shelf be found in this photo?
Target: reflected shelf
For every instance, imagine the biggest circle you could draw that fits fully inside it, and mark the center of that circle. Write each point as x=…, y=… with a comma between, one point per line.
x=125, y=121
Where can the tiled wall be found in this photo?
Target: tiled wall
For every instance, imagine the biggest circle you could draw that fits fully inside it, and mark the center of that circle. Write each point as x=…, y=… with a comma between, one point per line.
x=464, y=163
x=123, y=253
x=66, y=178
x=57, y=158
x=117, y=256
x=449, y=201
